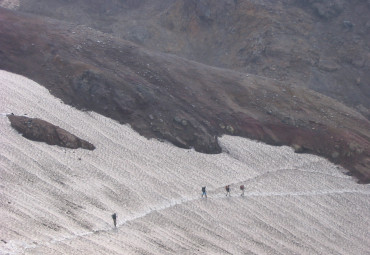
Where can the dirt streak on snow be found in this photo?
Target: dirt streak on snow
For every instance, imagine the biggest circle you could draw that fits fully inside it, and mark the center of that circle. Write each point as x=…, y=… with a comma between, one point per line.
x=59, y=201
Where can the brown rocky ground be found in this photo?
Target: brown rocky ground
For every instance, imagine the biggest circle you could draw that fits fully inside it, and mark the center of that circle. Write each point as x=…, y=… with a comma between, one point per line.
x=171, y=98
x=39, y=130
x=323, y=45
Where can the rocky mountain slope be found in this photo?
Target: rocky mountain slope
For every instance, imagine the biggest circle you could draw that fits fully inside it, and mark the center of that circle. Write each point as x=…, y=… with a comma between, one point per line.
x=185, y=102
x=59, y=201
x=322, y=45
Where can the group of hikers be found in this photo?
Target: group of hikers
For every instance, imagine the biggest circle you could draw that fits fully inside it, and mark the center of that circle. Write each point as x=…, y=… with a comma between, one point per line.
x=227, y=188
x=204, y=194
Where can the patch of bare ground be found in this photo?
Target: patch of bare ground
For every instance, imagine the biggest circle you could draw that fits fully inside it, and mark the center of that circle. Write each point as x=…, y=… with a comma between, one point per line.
x=43, y=131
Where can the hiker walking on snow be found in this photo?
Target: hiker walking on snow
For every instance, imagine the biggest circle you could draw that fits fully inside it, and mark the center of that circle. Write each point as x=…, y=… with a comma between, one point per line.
x=204, y=192
x=114, y=217
x=227, y=190
x=242, y=189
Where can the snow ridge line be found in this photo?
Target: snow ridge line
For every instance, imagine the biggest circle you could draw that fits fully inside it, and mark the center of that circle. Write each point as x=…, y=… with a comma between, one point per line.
x=184, y=201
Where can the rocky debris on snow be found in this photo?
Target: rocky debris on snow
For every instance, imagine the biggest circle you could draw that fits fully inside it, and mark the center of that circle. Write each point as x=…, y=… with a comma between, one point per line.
x=39, y=130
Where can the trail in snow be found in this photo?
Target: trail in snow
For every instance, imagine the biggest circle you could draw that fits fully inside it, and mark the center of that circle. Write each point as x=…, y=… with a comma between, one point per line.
x=183, y=201
x=187, y=200
x=59, y=201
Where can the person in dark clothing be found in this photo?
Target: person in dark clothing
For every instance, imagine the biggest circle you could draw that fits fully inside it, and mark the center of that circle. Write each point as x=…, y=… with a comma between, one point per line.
x=114, y=217
x=227, y=190
x=242, y=189
x=204, y=192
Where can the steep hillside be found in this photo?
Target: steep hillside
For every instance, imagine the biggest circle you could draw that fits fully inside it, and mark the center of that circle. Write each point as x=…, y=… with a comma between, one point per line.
x=184, y=102
x=60, y=201
x=322, y=45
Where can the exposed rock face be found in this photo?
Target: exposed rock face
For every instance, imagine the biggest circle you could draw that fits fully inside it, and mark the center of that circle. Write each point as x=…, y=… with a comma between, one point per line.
x=184, y=102
x=43, y=131
x=281, y=39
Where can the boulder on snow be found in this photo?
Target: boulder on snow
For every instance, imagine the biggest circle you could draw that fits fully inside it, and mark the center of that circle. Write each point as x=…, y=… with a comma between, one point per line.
x=39, y=130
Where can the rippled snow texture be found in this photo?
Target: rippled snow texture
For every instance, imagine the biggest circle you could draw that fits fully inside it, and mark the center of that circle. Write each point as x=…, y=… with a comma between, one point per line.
x=59, y=201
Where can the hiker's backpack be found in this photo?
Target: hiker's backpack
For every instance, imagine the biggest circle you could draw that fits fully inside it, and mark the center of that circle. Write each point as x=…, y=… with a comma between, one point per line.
x=242, y=187
x=203, y=189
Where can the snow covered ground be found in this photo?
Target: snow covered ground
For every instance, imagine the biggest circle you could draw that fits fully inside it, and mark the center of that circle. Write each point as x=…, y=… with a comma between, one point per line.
x=59, y=201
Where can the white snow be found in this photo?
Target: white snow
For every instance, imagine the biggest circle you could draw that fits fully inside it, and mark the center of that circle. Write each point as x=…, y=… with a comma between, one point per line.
x=59, y=201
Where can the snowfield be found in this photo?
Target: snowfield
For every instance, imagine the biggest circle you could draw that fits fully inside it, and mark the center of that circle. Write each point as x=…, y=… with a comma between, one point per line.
x=59, y=201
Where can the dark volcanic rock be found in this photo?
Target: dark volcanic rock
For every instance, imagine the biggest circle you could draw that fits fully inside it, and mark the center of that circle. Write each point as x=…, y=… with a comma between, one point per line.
x=42, y=131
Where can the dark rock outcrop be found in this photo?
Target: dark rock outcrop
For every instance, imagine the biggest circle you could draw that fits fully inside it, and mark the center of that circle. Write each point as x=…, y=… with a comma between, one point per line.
x=43, y=131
